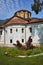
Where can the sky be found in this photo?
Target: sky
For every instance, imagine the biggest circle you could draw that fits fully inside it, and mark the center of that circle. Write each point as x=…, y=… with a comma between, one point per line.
x=9, y=7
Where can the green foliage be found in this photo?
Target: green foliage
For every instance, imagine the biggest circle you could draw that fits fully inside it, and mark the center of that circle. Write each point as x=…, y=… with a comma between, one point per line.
x=15, y=52
x=37, y=6
x=10, y=58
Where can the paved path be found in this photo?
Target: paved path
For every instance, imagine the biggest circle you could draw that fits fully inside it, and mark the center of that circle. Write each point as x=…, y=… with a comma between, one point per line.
x=30, y=55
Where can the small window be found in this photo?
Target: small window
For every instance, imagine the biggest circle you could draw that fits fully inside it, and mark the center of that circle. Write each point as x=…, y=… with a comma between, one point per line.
x=10, y=30
x=30, y=29
x=0, y=32
x=22, y=30
x=10, y=40
x=22, y=40
x=16, y=30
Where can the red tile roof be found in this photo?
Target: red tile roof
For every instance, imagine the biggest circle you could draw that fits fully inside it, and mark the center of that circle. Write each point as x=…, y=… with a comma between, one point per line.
x=16, y=20
x=36, y=20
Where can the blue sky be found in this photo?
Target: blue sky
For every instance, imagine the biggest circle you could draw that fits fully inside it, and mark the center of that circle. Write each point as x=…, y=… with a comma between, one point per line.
x=9, y=7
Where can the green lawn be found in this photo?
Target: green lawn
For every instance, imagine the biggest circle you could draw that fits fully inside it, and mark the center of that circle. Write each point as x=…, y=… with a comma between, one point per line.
x=10, y=58
x=16, y=52
x=6, y=60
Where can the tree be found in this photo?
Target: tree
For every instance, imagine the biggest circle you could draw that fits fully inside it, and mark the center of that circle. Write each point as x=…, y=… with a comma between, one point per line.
x=37, y=6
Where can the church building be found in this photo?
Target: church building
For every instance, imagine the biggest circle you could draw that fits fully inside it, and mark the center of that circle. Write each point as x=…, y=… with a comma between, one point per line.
x=20, y=27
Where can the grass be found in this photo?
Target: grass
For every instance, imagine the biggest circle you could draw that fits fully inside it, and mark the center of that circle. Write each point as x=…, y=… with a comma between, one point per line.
x=10, y=59
x=16, y=52
x=7, y=60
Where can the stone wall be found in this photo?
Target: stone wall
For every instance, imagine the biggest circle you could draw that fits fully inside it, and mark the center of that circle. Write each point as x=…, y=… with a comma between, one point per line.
x=23, y=14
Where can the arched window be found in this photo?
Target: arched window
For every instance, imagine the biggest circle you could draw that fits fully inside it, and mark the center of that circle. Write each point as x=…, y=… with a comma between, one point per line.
x=22, y=30
x=30, y=29
x=1, y=32
x=10, y=30
x=22, y=40
x=16, y=29
x=10, y=40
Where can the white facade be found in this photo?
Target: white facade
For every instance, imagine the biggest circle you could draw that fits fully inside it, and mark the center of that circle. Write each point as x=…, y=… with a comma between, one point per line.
x=37, y=33
x=15, y=35
x=9, y=38
x=20, y=27
x=1, y=36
